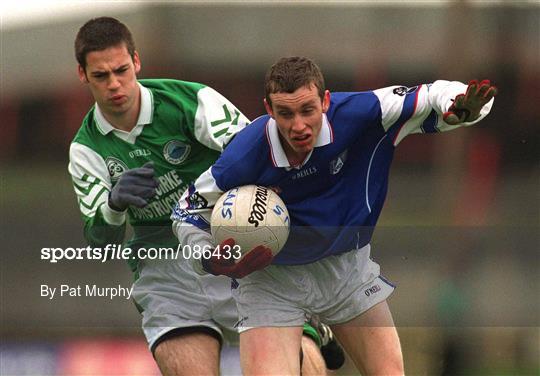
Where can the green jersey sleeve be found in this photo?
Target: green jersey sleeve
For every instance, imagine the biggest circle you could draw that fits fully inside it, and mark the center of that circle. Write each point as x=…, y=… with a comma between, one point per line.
x=216, y=120
x=91, y=181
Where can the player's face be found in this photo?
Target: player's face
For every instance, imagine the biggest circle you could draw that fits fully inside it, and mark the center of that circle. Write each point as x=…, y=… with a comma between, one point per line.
x=111, y=75
x=298, y=116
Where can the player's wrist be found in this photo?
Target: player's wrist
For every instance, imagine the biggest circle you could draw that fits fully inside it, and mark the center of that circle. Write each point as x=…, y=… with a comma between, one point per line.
x=113, y=205
x=112, y=215
x=205, y=266
x=201, y=266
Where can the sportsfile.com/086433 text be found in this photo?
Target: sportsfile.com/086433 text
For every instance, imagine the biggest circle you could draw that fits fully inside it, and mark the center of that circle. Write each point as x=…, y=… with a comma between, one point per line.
x=119, y=252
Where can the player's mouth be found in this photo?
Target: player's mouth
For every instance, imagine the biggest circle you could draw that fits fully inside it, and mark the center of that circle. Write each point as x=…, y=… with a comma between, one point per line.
x=301, y=141
x=118, y=99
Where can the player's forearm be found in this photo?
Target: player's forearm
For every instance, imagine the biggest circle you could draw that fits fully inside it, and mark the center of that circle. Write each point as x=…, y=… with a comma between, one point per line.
x=196, y=203
x=92, y=184
x=421, y=109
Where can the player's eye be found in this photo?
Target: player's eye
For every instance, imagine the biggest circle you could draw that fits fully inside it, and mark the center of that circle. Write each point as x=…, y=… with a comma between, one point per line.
x=285, y=114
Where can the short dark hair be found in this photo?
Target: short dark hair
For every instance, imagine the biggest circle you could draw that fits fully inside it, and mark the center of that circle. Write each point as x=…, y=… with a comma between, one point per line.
x=99, y=34
x=291, y=73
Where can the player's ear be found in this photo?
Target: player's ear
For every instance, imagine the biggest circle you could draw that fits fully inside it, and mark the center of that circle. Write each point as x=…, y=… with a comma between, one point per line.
x=326, y=101
x=82, y=74
x=136, y=62
x=268, y=108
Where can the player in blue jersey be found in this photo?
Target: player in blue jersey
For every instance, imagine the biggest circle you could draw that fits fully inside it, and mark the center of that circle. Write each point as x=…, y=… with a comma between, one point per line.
x=328, y=156
x=138, y=148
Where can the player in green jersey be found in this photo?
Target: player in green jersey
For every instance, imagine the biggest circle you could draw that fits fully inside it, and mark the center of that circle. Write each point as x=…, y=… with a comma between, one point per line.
x=139, y=147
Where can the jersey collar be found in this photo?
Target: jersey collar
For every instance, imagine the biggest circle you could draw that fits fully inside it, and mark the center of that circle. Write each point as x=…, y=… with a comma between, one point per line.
x=277, y=153
x=145, y=114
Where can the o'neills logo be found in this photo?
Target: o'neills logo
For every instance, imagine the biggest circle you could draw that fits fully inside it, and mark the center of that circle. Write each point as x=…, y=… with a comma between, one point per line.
x=258, y=210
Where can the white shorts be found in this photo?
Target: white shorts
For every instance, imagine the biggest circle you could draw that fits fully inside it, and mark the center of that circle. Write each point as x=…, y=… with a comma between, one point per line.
x=173, y=296
x=335, y=290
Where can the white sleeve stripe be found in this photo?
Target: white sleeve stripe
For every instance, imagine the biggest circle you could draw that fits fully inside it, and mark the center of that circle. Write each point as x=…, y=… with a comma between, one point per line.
x=90, y=178
x=89, y=204
x=369, y=170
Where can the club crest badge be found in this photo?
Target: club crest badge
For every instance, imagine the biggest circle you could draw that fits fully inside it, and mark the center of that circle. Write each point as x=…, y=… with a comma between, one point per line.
x=115, y=167
x=337, y=164
x=403, y=90
x=176, y=152
x=196, y=201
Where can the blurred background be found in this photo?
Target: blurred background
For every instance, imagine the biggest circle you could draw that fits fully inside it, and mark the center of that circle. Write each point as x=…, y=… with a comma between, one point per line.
x=460, y=231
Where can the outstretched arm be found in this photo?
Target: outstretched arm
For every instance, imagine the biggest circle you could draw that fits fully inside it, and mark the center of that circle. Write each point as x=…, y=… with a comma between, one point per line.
x=437, y=107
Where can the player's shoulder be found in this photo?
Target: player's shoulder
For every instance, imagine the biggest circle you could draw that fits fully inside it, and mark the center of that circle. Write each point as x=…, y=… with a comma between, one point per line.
x=360, y=105
x=246, y=152
x=254, y=130
x=250, y=139
x=350, y=100
x=88, y=132
x=85, y=144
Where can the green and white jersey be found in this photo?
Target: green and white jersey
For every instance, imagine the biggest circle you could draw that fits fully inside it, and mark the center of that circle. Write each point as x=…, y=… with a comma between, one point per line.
x=182, y=128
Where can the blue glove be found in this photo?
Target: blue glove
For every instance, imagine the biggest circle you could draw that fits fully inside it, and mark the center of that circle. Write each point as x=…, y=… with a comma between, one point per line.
x=135, y=187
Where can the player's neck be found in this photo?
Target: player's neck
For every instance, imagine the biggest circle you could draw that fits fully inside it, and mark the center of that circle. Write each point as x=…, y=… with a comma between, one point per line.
x=295, y=158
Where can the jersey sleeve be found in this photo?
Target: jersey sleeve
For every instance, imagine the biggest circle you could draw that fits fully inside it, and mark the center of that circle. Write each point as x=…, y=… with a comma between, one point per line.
x=191, y=215
x=91, y=181
x=196, y=203
x=216, y=120
x=419, y=109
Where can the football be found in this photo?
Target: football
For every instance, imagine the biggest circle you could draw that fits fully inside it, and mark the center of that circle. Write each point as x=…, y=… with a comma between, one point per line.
x=251, y=215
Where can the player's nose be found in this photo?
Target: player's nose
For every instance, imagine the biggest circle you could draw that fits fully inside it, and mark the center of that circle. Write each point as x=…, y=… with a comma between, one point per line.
x=113, y=83
x=298, y=124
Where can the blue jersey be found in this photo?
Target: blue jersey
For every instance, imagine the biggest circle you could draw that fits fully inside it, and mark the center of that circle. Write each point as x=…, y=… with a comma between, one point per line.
x=335, y=197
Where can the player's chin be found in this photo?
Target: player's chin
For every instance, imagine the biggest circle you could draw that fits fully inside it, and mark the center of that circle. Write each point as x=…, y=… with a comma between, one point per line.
x=304, y=149
x=118, y=108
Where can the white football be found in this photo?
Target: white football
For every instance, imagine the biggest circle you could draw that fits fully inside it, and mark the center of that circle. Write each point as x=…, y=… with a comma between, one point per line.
x=252, y=215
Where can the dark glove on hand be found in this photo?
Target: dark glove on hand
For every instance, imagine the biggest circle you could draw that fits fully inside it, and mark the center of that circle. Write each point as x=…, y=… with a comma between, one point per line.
x=135, y=187
x=466, y=107
x=258, y=258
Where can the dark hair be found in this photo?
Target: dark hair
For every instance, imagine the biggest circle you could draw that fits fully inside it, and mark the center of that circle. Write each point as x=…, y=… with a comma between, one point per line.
x=99, y=34
x=291, y=73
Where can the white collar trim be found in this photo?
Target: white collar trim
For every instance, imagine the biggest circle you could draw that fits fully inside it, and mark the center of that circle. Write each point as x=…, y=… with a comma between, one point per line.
x=279, y=158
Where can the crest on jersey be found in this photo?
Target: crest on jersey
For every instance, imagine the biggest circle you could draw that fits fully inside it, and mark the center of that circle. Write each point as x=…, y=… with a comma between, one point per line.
x=176, y=152
x=402, y=90
x=116, y=167
x=337, y=164
x=196, y=201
